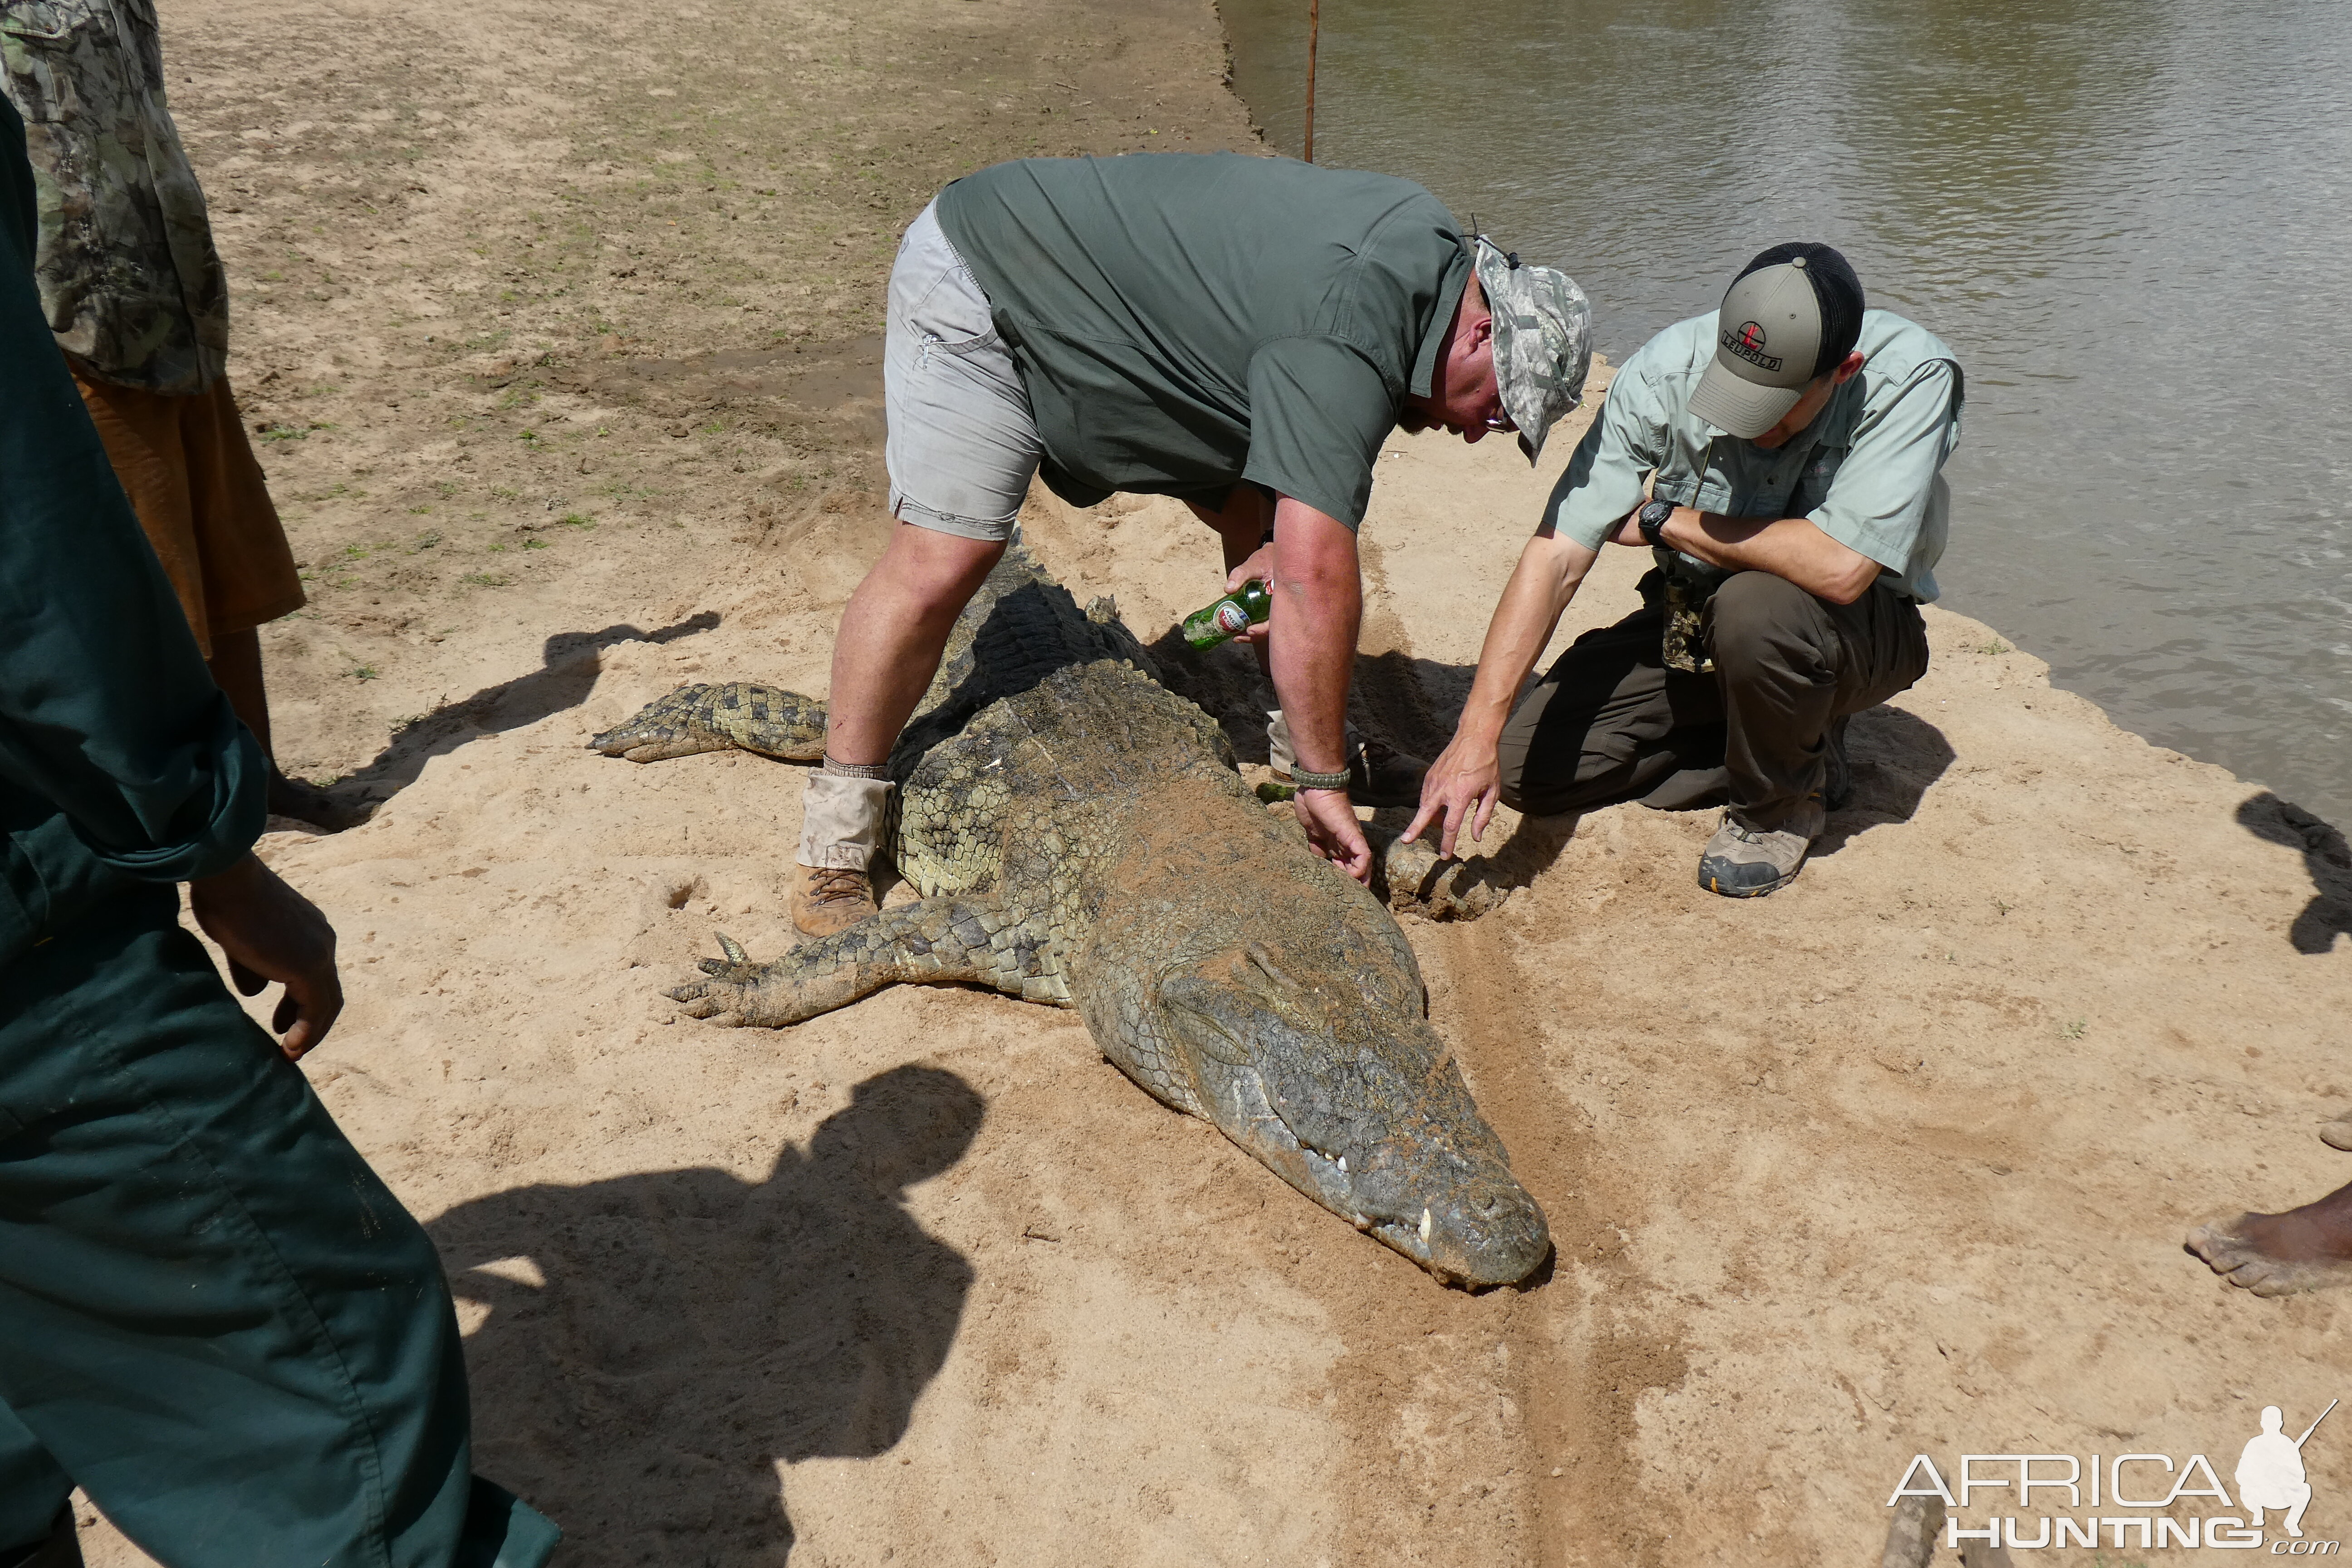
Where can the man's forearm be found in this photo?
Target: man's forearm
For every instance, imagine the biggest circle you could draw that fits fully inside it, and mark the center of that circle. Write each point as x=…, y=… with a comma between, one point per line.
x=1790, y=547
x=1319, y=606
x=1550, y=572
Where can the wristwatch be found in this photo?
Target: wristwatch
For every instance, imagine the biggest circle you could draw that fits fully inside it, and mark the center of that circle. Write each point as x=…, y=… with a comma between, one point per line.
x=1651, y=520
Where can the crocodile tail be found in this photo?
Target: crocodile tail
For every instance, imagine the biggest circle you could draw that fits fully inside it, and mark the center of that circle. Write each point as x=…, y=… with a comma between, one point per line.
x=734, y=715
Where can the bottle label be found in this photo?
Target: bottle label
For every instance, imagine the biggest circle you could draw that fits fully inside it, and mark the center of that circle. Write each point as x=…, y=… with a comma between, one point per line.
x=1231, y=619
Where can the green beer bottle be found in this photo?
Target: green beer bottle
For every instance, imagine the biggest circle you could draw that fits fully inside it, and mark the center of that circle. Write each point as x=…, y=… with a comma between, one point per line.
x=1229, y=616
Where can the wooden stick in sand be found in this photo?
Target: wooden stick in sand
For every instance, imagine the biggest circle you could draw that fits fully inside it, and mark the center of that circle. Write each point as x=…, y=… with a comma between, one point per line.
x=1314, y=27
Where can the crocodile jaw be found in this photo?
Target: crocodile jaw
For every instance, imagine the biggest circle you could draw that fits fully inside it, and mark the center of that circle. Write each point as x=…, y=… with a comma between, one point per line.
x=1478, y=1229
x=1325, y=1098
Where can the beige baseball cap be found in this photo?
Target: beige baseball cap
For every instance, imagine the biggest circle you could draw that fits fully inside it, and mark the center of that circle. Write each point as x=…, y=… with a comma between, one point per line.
x=1793, y=314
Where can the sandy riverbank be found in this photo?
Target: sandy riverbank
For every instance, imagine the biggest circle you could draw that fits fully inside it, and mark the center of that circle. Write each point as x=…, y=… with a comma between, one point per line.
x=564, y=330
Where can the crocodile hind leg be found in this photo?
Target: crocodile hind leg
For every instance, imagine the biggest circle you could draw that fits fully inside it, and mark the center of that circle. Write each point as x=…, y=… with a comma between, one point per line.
x=733, y=716
x=943, y=942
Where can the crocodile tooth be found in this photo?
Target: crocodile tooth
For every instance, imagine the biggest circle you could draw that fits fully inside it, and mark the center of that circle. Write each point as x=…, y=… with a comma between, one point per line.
x=1343, y=1162
x=1425, y=1228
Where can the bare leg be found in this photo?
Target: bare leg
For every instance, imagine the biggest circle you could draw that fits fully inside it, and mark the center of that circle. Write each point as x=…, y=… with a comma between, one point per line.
x=236, y=669
x=892, y=634
x=2306, y=1248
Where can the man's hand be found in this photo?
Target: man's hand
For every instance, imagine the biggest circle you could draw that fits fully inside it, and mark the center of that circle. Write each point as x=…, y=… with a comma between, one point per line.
x=1260, y=565
x=1461, y=786
x=1334, y=831
x=1465, y=781
x=271, y=932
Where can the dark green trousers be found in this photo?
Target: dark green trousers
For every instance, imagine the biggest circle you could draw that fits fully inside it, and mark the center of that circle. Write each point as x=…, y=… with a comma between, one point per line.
x=1608, y=722
x=214, y=1317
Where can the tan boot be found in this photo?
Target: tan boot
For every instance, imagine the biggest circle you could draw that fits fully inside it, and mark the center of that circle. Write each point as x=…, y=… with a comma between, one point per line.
x=831, y=899
x=1744, y=862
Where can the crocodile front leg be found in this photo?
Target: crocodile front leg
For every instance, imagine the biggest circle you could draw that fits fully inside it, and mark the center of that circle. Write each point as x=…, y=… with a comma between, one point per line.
x=943, y=942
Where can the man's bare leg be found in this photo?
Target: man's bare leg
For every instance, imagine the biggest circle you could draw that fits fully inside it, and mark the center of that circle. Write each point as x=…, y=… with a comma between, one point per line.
x=236, y=670
x=2306, y=1248
x=892, y=634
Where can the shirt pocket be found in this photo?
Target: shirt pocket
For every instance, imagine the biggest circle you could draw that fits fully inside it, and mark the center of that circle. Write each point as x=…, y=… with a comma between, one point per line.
x=49, y=46
x=1819, y=472
x=48, y=23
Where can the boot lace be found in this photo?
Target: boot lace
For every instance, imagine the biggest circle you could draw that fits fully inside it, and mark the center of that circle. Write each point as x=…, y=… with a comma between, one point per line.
x=836, y=885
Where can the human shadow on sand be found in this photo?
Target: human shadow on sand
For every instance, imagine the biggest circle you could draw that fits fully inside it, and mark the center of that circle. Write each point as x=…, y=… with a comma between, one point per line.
x=2327, y=858
x=675, y=1334
x=569, y=664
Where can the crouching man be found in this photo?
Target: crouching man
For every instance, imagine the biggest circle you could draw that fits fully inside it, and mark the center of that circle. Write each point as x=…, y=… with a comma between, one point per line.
x=1782, y=459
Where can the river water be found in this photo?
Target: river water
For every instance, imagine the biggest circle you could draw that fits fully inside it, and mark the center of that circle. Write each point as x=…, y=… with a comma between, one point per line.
x=2129, y=217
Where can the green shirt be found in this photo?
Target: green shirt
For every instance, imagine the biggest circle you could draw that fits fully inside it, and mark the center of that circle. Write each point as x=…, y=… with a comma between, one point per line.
x=130, y=281
x=1865, y=471
x=120, y=761
x=1185, y=321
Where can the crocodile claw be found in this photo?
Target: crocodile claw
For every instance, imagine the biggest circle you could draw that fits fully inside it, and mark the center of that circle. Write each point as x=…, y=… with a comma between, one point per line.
x=731, y=948
x=722, y=994
x=727, y=989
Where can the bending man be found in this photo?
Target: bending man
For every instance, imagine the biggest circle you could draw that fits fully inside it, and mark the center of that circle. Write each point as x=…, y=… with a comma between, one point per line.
x=1242, y=333
x=1790, y=448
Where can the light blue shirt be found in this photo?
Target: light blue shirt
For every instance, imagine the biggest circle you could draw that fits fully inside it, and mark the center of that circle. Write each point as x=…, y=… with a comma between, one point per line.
x=1867, y=472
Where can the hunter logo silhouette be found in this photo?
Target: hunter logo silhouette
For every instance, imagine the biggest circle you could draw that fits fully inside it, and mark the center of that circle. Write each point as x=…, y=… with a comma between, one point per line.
x=2270, y=1470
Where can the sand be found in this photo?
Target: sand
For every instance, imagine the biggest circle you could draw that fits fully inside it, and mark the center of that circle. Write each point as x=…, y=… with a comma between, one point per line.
x=562, y=329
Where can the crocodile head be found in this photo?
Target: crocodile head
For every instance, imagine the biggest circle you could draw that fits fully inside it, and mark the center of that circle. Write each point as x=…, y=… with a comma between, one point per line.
x=1346, y=1093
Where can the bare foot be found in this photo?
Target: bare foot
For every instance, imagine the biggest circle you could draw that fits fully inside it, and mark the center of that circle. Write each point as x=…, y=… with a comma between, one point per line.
x=2306, y=1248
x=307, y=803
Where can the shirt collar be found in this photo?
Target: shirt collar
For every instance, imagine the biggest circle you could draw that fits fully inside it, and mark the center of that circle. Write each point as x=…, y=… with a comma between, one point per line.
x=1449, y=298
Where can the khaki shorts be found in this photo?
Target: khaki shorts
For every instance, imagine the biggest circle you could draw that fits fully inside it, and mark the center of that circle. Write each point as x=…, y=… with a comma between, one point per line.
x=192, y=480
x=962, y=444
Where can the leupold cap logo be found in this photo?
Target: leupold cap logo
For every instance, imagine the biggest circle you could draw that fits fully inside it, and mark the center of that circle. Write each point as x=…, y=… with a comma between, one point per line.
x=1748, y=343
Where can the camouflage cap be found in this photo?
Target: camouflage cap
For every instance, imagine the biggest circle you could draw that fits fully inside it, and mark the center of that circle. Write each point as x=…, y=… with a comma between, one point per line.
x=1543, y=339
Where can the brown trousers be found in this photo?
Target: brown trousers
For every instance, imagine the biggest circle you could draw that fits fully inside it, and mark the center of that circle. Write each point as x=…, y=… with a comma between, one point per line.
x=192, y=480
x=1610, y=722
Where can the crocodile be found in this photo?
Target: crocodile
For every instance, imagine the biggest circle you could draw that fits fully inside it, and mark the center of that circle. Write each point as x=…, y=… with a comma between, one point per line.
x=1079, y=835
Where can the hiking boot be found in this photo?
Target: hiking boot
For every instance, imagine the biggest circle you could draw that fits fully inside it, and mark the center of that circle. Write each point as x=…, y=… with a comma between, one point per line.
x=831, y=899
x=1837, y=784
x=1744, y=862
x=1380, y=774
